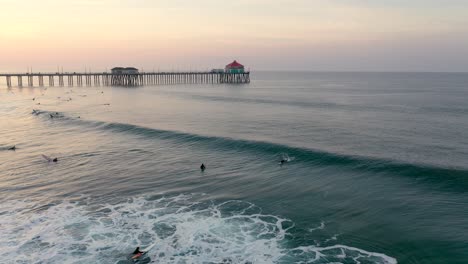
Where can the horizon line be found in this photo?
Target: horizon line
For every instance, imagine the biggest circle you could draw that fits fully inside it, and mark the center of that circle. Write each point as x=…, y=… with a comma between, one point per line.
x=260, y=70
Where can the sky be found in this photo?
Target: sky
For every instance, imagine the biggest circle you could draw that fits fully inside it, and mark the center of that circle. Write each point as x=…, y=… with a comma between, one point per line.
x=290, y=35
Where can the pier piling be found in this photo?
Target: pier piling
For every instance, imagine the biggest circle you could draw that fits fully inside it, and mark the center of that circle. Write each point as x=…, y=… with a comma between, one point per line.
x=138, y=79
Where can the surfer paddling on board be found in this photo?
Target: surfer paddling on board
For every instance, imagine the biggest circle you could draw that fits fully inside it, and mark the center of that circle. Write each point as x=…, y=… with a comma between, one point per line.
x=137, y=253
x=285, y=159
x=49, y=159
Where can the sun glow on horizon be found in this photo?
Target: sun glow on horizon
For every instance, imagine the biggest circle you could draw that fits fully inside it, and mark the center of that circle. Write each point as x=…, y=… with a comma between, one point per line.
x=297, y=34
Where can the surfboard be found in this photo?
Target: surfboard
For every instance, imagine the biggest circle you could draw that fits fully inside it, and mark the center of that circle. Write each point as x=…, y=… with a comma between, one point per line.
x=47, y=158
x=149, y=248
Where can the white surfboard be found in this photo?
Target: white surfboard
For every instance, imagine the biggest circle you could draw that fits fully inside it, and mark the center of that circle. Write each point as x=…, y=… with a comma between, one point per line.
x=149, y=248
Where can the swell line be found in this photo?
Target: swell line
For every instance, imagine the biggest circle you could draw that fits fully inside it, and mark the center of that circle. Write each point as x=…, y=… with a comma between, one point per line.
x=456, y=177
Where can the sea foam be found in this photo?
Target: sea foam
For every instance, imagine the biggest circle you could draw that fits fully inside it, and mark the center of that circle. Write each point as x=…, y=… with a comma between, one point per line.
x=185, y=230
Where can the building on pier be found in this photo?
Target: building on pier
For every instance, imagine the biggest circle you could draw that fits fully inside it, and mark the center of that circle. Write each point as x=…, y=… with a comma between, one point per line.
x=234, y=67
x=122, y=70
x=217, y=71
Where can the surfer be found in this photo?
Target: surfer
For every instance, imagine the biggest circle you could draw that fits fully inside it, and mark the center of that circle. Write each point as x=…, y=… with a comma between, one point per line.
x=12, y=148
x=49, y=159
x=202, y=167
x=284, y=159
x=137, y=253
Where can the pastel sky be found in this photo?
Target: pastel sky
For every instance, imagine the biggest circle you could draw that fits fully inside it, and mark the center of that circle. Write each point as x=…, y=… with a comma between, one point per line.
x=318, y=35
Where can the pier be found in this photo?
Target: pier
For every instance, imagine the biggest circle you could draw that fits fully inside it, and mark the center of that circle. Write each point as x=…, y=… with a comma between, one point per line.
x=123, y=79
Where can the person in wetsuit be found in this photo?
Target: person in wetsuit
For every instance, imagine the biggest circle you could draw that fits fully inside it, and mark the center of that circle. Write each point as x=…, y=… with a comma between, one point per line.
x=202, y=167
x=137, y=253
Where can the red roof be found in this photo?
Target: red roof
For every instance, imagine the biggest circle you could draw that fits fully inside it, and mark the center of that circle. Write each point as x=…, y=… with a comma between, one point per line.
x=234, y=65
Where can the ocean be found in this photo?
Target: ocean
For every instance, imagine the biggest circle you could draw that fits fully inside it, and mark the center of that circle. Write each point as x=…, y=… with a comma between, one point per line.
x=375, y=171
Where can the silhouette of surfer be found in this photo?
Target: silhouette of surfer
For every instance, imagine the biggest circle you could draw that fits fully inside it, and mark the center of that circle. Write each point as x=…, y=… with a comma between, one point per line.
x=202, y=167
x=49, y=159
x=284, y=159
x=55, y=115
x=12, y=148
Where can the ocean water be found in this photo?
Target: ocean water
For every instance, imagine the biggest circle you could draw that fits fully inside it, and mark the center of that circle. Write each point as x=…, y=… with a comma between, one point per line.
x=377, y=171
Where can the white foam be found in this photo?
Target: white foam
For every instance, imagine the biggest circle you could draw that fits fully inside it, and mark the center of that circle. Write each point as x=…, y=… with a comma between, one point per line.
x=186, y=231
x=320, y=227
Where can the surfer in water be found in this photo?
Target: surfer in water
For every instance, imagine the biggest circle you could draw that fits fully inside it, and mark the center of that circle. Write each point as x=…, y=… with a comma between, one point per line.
x=285, y=159
x=137, y=253
x=202, y=167
x=49, y=159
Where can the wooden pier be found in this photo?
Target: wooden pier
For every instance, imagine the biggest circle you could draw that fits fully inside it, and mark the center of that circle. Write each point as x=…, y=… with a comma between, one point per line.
x=111, y=79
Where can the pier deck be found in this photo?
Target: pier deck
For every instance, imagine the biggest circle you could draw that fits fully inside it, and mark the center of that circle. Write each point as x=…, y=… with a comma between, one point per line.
x=110, y=79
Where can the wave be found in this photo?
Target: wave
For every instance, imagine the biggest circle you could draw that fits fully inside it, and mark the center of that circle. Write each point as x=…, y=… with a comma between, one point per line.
x=184, y=229
x=300, y=104
x=385, y=108
x=455, y=177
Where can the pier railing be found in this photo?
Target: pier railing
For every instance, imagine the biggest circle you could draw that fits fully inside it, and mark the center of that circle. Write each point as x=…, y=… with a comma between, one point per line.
x=110, y=79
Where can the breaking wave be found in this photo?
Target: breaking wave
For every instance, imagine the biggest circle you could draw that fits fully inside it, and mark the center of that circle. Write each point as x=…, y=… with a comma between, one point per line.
x=185, y=231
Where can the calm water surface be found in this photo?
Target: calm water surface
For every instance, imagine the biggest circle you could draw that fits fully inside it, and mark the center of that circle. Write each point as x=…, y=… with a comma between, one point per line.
x=377, y=171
